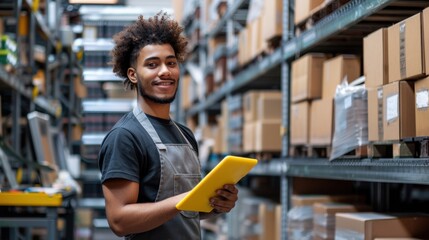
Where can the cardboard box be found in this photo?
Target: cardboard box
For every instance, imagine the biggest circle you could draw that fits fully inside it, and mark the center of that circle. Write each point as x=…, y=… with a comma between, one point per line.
x=267, y=220
x=422, y=107
x=375, y=114
x=268, y=136
x=405, y=49
x=307, y=75
x=335, y=70
x=185, y=88
x=375, y=59
x=303, y=9
x=272, y=19
x=278, y=223
x=300, y=123
x=256, y=44
x=324, y=217
x=259, y=105
x=398, y=110
x=249, y=137
x=321, y=122
x=373, y=225
x=425, y=23
x=80, y=88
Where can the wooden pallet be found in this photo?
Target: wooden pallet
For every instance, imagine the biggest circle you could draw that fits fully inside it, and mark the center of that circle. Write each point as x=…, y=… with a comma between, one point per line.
x=306, y=150
x=393, y=149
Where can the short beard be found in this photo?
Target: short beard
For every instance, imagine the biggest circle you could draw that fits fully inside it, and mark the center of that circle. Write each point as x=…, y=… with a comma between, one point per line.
x=154, y=99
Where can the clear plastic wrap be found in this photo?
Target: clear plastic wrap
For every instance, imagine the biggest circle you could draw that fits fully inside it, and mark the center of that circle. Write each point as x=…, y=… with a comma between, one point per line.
x=345, y=234
x=351, y=119
x=300, y=223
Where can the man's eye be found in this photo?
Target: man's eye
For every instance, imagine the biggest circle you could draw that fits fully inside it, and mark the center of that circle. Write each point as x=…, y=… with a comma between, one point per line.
x=151, y=64
x=172, y=63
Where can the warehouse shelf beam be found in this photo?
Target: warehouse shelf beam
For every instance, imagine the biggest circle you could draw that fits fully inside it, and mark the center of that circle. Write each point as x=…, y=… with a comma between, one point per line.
x=350, y=14
x=46, y=33
x=228, y=15
x=413, y=170
x=17, y=85
x=98, y=45
x=108, y=105
x=94, y=139
x=346, y=16
x=100, y=75
x=243, y=78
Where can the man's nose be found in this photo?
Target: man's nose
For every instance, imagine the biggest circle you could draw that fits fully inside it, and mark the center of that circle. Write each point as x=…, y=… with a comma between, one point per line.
x=164, y=71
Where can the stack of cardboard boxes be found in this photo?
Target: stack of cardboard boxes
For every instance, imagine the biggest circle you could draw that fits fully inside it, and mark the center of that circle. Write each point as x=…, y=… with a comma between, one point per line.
x=314, y=82
x=395, y=63
x=262, y=112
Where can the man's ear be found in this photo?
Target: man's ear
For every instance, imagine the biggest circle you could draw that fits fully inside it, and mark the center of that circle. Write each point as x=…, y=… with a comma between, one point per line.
x=132, y=75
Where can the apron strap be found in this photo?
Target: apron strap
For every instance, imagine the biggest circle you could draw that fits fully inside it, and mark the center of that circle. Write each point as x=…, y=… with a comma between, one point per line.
x=183, y=135
x=147, y=125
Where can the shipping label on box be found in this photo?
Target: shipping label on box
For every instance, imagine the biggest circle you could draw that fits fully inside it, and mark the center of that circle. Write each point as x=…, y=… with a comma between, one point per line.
x=398, y=110
x=422, y=107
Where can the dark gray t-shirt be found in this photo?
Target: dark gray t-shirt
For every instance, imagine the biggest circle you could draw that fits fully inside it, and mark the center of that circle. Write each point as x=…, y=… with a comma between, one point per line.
x=128, y=152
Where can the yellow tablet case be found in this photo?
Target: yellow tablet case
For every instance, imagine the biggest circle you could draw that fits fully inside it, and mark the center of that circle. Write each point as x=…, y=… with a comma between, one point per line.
x=229, y=171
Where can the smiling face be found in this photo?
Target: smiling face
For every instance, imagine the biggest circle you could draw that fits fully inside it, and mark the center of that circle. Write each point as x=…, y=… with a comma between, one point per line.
x=156, y=74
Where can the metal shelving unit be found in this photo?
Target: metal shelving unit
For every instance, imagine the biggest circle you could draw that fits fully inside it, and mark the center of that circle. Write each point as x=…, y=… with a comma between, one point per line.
x=339, y=32
x=412, y=170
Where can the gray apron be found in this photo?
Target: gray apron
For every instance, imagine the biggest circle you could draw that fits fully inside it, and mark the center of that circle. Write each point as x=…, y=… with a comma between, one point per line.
x=180, y=172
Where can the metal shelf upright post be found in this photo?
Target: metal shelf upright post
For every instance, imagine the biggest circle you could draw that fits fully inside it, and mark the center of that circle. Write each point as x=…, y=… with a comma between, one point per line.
x=285, y=181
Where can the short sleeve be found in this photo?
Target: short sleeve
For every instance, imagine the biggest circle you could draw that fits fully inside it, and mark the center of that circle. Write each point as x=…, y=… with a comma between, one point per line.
x=120, y=156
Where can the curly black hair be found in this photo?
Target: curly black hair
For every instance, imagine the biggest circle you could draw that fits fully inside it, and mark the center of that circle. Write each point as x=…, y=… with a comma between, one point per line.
x=159, y=29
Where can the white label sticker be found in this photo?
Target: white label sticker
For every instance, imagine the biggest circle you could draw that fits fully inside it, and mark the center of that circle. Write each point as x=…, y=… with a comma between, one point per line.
x=422, y=99
x=392, y=111
x=347, y=102
x=380, y=93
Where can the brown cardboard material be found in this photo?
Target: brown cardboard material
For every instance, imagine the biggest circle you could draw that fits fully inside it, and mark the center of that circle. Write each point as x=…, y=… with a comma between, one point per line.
x=324, y=217
x=267, y=220
x=259, y=105
x=272, y=19
x=269, y=105
x=304, y=7
x=337, y=69
x=398, y=110
x=375, y=59
x=405, y=49
x=256, y=44
x=374, y=225
x=425, y=23
x=307, y=75
x=186, y=101
x=249, y=137
x=321, y=122
x=299, y=121
x=375, y=114
x=422, y=107
x=267, y=135
x=278, y=223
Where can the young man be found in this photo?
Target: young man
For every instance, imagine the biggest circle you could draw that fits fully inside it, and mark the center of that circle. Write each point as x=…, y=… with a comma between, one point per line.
x=148, y=162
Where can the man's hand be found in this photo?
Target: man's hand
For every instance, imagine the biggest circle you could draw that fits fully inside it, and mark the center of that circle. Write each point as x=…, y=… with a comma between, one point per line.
x=225, y=199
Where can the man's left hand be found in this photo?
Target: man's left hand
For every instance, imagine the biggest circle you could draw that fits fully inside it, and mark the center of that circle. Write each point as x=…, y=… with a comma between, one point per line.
x=225, y=199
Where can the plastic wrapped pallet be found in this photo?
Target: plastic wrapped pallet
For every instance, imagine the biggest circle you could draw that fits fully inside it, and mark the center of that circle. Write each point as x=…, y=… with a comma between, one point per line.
x=351, y=119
